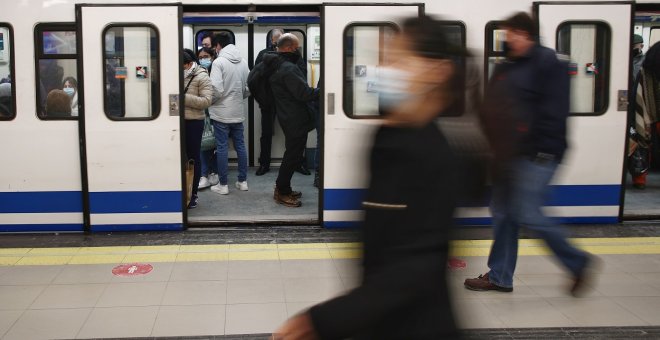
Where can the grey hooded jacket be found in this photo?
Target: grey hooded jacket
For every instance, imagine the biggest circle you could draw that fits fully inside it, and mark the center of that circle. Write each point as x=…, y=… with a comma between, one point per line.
x=229, y=78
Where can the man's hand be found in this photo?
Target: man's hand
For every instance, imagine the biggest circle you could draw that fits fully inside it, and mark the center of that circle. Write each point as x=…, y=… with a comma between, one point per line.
x=299, y=327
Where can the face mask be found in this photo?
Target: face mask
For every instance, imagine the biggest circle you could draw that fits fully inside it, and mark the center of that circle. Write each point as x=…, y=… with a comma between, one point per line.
x=189, y=71
x=205, y=63
x=393, y=88
x=637, y=51
x=69, y=90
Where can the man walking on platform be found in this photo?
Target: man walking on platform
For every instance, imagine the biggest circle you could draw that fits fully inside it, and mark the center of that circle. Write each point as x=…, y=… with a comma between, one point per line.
x=525, y=111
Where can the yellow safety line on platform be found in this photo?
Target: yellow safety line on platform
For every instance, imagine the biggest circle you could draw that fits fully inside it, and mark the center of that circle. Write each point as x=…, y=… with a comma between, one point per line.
x=293, y=251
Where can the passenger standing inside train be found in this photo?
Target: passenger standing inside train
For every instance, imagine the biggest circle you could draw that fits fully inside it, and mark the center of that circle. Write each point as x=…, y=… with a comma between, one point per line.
x=267, y=113
x=207, y=40
x=198, y=96
x=291, y=93
x=209, y=175
x=525, y=111
x=229, y=73
x=404, y=293
x=638, y=54
x=644, y=115
x=70, y=86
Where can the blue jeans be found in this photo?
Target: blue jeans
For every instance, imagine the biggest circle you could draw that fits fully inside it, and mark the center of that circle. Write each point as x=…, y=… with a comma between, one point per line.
x=519, y=191
x=222, y=133
x=209, y=163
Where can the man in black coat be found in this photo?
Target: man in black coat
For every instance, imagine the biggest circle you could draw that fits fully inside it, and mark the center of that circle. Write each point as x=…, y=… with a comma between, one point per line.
x=291, y=93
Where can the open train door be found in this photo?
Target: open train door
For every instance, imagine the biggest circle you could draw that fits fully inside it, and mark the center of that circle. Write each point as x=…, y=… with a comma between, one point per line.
x=595, y=37
x=131, y=127
x=355, y=42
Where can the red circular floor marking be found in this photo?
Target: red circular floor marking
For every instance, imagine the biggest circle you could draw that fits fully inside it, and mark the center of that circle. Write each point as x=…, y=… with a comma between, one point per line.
x=132, y=269
x=456, y=263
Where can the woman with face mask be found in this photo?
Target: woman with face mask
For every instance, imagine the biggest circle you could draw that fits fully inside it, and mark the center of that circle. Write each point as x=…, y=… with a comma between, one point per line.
x=70, y=87
x=209, y=163
x=408, y=207
x=198, y=93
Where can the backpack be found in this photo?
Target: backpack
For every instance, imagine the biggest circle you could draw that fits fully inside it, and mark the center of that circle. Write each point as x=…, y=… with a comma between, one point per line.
x=258, y=82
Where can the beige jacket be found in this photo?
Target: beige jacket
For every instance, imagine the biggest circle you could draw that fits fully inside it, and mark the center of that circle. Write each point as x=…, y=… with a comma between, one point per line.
x=199, y=95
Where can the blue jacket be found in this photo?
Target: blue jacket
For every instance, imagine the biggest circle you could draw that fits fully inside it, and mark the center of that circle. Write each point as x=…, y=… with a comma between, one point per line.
x=527, y=100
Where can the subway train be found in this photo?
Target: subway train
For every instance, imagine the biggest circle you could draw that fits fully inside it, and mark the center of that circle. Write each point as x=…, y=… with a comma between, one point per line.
x=114, y=161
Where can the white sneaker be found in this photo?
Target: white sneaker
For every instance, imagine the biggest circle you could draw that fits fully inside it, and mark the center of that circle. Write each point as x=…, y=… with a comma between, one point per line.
x=214, y=179
x=220, y=189
x=242, y=186
x=204, y=183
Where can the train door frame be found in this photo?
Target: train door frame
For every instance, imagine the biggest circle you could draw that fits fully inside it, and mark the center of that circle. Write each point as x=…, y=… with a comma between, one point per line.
x=209, y=17
x=340, y=202
x=600, y=193
x=638, y=7
x=162, y=207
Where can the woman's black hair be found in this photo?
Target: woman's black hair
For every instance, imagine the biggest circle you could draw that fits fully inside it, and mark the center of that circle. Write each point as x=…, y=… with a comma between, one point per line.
x=208, y=50
x=651, y=62
x=71, y=80
x=429, y=38
x=188, y=56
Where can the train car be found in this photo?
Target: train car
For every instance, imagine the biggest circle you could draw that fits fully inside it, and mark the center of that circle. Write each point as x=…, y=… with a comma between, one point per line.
x=115, y=162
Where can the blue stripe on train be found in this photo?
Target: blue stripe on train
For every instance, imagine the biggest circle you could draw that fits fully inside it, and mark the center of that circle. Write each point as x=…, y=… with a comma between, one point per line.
x=40, y=202
x=562, y=195
x=486, y=221
x=138, y=227
x=25, y=228
x=126, y=202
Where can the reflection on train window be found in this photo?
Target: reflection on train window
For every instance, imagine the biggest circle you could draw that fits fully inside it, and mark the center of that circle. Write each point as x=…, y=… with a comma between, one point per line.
x=654, y=37
x=455, y=33
x=208, y=35
x=587, y=45
x=494, y=51
x=7, y=91
x=57, y=71
x=366, y=48
x=131, y=72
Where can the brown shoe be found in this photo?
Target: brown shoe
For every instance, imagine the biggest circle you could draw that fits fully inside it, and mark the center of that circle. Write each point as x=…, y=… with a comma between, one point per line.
x=296, y=194
x=286, y=200
x=482, y=283
x=583, y=282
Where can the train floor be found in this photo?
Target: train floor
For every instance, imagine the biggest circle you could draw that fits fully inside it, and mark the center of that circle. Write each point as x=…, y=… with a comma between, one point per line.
x=642, y=203
x=257, y=203
x=241, y=284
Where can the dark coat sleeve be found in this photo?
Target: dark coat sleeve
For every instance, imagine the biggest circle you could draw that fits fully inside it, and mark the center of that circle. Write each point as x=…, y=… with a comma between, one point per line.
x=298, y=88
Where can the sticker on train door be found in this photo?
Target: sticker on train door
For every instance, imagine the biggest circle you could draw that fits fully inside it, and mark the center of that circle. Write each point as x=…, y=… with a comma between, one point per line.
x=592, y=68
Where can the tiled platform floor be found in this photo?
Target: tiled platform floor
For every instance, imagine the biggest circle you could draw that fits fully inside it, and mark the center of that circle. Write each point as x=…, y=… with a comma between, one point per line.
x=188, y=296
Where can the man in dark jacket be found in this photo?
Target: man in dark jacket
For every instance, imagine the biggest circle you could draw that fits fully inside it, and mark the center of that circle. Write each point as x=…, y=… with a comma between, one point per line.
x=291, y=94
x=526, y=107
x=267, y=113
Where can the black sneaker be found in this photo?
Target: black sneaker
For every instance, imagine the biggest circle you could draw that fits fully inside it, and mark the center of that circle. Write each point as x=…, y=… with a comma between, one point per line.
x=303, y=170
x=193, y=203
x=262, y=170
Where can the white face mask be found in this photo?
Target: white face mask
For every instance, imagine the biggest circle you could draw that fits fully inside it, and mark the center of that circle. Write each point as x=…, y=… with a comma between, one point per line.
x=189, y=71
x=70, y=91
x=393, y=87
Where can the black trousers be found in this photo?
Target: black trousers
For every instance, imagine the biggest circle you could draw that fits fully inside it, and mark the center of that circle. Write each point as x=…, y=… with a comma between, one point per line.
x=293, y=158
x=267, y=128
x=194, y=130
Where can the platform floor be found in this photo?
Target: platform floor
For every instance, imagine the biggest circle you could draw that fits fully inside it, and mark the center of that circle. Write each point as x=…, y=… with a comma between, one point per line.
x=250, y=288
x=643, y=203
x=256, y=204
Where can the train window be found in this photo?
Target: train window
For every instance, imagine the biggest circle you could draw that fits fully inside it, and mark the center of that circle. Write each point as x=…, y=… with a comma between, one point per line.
x=7, y=90
x=201, y=35
x=654, y=37
x=131, y=72
x=588, y=46
x=366, y=47
x=298, y=33
x=56, y=71
x=494, y=49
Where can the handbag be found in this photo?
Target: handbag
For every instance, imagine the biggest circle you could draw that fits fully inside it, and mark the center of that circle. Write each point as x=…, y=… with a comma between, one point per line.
x=190, y=175
x=208, y=138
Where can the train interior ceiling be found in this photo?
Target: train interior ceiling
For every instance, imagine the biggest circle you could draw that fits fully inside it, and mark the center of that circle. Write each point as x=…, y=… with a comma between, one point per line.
x=251, y=31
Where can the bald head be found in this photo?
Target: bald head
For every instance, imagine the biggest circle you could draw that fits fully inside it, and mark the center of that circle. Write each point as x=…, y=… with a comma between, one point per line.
x=287, y=43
